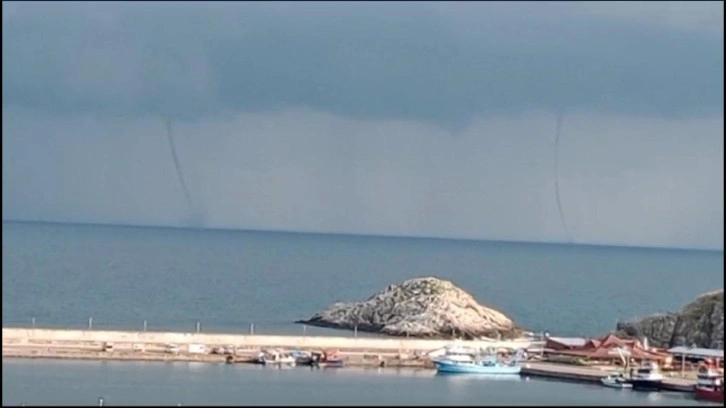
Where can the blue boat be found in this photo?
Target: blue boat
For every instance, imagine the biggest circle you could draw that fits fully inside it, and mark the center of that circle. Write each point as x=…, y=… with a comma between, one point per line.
x=474, y=364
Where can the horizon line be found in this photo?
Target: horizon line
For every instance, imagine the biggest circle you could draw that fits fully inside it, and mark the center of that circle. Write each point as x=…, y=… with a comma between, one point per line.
x=362, y=235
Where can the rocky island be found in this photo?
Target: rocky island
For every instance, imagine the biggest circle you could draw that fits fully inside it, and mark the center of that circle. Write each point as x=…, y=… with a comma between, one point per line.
x=420, y=307
x=699, y=323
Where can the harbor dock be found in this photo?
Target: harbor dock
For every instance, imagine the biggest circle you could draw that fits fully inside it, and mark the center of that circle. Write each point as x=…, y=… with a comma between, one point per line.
x=155, y=346
x=357, y=352
x=591, y=375
x=122, y=340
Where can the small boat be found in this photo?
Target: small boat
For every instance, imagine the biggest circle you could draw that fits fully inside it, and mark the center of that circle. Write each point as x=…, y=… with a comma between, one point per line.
x=335, y=363
x=617, y=380
x=275, y=358
x=647, y=378
x=710, y=383
x=326, y=359
x=301, y=357
x=282, y=360
x=712, y=393
x=460, y=363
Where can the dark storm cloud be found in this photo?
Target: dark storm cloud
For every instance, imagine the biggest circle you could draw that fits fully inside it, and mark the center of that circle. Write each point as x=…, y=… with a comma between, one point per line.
x=375, y=60
x=416, y=119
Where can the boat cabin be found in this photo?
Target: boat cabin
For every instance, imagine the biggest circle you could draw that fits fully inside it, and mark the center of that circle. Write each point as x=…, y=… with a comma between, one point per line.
x=649, y=370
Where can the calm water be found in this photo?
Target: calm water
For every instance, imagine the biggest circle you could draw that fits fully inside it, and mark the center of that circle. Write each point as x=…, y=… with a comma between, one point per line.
x=62, y=274
x=36, y=382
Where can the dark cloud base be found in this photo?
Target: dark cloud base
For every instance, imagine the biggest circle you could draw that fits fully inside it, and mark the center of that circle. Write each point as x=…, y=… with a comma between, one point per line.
x=381, y=62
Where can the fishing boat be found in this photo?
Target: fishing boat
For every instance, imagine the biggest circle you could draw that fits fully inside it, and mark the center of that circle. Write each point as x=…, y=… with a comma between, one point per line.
x=616, y=379
x=327, y=359
x=275, y=358
x=709, y=386
x=335, y=363
x=488, y=363
x=647, y=378
x=301, y=357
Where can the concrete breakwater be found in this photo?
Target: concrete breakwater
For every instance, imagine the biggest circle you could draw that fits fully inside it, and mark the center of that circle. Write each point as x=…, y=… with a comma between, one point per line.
x=23, y=336
x=552, y=371
x=360, y=352
x=351, y=359
x=155, y=346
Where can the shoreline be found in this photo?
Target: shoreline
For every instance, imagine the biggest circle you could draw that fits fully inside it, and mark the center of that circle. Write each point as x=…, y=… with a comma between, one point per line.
x=14, y=336
x=545, y=370
x=45, y=353
x=358, y=358
x=154, y=346
x=360, y=352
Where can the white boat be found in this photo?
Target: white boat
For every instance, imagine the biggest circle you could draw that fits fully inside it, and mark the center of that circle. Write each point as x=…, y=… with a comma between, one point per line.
x=617, y=380
x=647, y=378
x=461, y=362
x=276, y=358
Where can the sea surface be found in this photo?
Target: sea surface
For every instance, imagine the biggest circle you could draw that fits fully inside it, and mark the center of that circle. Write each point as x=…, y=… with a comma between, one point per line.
x=59, y=275
x=63, y=382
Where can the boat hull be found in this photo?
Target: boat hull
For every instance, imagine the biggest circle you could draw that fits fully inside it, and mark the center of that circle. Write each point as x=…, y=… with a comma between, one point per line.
x=646, y=385
x=303, y=361
x=328, y=364
x=617, y=384
x=453, y=368
x=285, y=362
x=709, y=395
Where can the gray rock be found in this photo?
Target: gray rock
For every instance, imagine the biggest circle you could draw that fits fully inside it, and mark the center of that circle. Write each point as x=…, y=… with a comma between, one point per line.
x=420, y=307
x=699, y=323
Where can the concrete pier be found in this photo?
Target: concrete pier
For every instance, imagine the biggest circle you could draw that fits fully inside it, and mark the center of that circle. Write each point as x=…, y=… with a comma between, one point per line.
x=154, y=346
x=23, y=336
x=592, y=375
x=361, y=352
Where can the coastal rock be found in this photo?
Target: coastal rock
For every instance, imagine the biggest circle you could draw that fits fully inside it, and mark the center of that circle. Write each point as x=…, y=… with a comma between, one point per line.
x=420, y=307
x=699, y=323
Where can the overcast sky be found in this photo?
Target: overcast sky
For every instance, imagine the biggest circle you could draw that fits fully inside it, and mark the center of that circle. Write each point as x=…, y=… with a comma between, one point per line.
x=415, y=119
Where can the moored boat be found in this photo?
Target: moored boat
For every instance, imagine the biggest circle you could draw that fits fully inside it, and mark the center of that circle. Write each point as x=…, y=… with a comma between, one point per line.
x=463, y=363
x=616, y=380
x=713, y=394
x=647, y=378
x=275, y=358
x=327, y=359
x=709, y=386
x=337, y=363
x=301, y=357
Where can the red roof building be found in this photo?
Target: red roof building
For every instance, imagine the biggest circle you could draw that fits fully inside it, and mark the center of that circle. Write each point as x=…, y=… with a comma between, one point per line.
x=607, y=348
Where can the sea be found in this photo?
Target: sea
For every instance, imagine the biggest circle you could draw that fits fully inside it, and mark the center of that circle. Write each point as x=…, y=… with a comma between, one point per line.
x=116, y=277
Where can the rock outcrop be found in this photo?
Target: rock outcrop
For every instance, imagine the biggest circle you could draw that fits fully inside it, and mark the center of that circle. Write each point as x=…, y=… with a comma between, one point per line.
x=420, y=307
x=699, y=323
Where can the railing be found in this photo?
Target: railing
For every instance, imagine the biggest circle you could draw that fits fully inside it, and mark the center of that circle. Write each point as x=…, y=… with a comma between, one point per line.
x=267, y=328
x=100, y=403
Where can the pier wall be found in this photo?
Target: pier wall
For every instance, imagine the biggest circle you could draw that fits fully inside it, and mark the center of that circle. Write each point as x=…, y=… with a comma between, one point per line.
x=24, y=335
